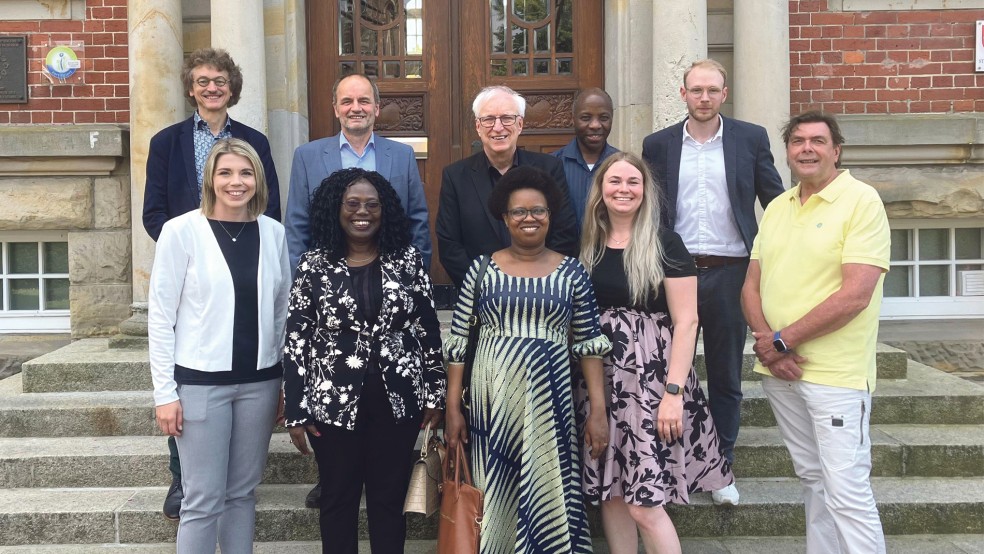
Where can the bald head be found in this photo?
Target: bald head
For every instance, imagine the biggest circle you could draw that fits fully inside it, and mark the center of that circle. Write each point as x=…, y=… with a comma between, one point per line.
x=593, y=113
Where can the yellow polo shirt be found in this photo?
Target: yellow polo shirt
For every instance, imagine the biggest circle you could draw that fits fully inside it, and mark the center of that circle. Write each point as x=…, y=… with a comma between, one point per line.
x=800, y=249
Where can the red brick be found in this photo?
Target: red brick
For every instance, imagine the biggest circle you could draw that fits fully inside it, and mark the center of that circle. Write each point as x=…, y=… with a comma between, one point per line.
x=963, y=56
x=116, y=52
x=79, y=104
x=950, y=68
x=920, y=82
x=57, y=37
x=898, y=107
x=961, y=29
x=105, y=117
x=854, y=31
x=809, y=58
x=120, y=38
x=811, y=32
x=874, y=31
x=61, y=91
x=854, y=107
x=898, y=31
x=898, y=44
x=853, y=57
x=943, y=81
x=853, y=44
x=854, y=82
x=921, y=68
x=963, y=106
x=833, y=58
x=822, y=95
x=101, y=38
x=797, y=96
x=964, y=81
x=103, y=91
x=13, y=27
x=832, y=18
x=832, y=31
x=4, y=117
x=820, y=44
x=41, y=118
x=932, y=16
x=833, y=107
x=46, y=104
x=938, y=94
x=40, y=92
x=20, y=117
x=957, y=16
x=941, y=30
x=875, y=82
x=833, y=83
x=100, y=13
x=882, y=57
x=939, y=56
x=114, y=2
x=95, y=78
x=897, y=95
x=855, y=95
x=941, y=43
x=979, y=106
x=121, y=64
x=794, y=32
x=122, y=91
x=118, y=104
x=61, y=26
x=799, y=19
x=95, y=26
x=117, y=78
x=972, y=93
x=123, y=118
x=877, y=107
x=103, y=64
x=877, y=69
x=898, y=82
x=872, y=18
x=810, y=5
x=941, y=106
x=810, y=84
x=95, y=51
x=799, y=45
x=85, y=117
x=115, y=25
x=119, y=12
x=842, y=70
x=62, y=117
x=797, y=70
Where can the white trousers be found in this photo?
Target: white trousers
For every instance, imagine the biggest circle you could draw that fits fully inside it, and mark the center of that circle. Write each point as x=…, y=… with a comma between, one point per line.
x=826, y=431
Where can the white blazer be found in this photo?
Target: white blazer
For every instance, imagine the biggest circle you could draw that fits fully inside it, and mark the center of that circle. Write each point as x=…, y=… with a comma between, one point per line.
x=191, y=301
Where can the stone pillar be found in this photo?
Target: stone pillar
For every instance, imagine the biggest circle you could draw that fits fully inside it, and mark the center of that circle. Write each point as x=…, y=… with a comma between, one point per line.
x=760, y=84
x=237, y=26
x=679, y=37
x=629, y=71
x=156, y=101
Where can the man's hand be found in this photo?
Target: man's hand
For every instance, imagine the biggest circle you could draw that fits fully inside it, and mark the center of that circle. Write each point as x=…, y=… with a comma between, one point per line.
x=787, y=367
x=763, y=348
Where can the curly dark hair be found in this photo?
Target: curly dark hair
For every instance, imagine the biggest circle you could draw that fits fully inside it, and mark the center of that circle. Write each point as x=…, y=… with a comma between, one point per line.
x=524, y=177
x=219, y=59
x=326, y=229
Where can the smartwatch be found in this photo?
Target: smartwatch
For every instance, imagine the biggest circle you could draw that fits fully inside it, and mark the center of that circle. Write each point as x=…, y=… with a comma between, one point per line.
x=779, y=344
x=673, y=389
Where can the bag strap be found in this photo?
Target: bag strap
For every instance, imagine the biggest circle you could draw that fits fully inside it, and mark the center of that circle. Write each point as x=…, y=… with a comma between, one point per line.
x=461, y=461
x=427, y=436
x=473, y=322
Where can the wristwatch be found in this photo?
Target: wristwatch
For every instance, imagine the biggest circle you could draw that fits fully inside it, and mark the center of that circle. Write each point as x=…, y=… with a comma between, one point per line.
x=779, y=344
x=673, y=389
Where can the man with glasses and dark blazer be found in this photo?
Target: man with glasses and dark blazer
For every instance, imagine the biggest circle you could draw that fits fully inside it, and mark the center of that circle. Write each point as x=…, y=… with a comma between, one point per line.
x=465, y=228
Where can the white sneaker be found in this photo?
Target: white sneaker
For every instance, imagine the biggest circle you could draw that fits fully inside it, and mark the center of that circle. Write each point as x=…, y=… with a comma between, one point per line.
x=726, y=496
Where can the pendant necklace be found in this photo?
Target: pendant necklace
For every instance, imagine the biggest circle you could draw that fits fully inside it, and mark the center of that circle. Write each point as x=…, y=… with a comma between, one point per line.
x=353, y=260
x=241, y=229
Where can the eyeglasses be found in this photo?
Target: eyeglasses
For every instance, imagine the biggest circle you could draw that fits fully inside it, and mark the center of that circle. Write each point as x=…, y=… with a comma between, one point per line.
x=698, y=92
x=506, y=120
x=353, y=206
x=219, y=81
x=539, y=213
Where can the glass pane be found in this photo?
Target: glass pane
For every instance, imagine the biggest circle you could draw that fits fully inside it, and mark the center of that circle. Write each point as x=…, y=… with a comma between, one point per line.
x=369, y=42
x=564, y=66
x=498, y=20
x=520, y=67
x=972, y=287
x=379, y=12
x=531, y=10
x=519, y=45
x=24, y=294
x=414, y=69
x=56, y=294
x=565, y=26
x=23, y=257
x=370, y=69
x=392, y=42
x=56, y=257
x=346, y=67
x=391, y=70
x=346, y=29
x=498, y=68
x=933, y=244
x=415, y=28
x=897, y=282
x=901, y=249
x=541, y=39
x=934, y=280
x=541, y=67
x=969, y=244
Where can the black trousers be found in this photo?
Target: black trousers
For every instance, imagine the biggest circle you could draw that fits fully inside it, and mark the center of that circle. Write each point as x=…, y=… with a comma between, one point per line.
x=377, y=455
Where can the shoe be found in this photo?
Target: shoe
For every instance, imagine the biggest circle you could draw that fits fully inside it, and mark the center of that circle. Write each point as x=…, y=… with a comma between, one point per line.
x=172, y=502
x=728, y=496
x=313, y=499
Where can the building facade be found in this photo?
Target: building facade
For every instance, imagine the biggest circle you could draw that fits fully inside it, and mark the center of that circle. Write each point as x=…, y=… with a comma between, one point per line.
x=900, y=74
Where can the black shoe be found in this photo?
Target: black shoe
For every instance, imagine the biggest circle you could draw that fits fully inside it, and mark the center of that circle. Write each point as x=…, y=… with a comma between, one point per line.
x=172, y=502
x=313, y=499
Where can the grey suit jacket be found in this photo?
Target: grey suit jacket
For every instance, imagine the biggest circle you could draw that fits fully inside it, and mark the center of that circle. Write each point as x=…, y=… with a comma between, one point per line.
x=316, y=160
x=748, y=166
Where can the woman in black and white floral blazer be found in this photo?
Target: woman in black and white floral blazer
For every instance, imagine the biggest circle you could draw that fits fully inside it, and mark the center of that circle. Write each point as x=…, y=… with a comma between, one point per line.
x=362, y=361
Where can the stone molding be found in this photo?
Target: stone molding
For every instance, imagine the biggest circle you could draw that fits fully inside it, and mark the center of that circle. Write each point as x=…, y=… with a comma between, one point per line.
x=900, y=5
x=913, y=139
x=45, y=150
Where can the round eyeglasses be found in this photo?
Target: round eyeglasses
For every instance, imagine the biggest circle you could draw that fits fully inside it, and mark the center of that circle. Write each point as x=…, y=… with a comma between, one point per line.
x=219, y=81
x=506, y=120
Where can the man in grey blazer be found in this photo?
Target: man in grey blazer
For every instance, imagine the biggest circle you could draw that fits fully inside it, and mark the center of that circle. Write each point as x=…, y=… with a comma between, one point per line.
x=711, y=169
x=356, y=102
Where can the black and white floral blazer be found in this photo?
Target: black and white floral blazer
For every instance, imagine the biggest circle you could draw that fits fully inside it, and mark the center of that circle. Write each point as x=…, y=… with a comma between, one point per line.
x=329, y=342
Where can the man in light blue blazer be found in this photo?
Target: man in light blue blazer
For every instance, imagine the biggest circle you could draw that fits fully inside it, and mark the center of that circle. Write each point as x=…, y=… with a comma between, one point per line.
x=356, y=102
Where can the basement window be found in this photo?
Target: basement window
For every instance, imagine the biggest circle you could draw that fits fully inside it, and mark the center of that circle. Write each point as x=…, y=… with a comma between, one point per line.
x=34, y=296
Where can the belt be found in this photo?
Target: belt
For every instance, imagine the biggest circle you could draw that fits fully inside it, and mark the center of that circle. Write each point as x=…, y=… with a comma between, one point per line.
x=708, y=262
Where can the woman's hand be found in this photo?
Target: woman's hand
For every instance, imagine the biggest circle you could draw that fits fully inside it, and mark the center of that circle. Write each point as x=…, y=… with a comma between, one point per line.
x=596, y=433
x=433, y=416
x=669, y=417
x=170, y=418
x=279, y=418
x=455, y=428
x=299, y=439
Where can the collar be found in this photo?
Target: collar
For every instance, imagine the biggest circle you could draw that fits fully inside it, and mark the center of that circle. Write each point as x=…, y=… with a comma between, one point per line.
x=717, y=136
x=572, y=151
x=832, y=191
x=488, y=164
x=342, y=142
x=199, y=122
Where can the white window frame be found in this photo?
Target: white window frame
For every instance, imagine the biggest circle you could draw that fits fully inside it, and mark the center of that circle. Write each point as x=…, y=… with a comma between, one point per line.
x=33, y=321
x=933, y=307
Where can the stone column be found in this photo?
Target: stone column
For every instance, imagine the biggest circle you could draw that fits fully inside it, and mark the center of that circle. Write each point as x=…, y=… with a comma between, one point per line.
x=679, y=37
x=237, y=26
x=156, y=101
x=759, y=87
x=629, y=70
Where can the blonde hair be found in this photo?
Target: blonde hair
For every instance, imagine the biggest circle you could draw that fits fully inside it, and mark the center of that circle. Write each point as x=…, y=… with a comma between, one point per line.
x=258, y=203
x=706, y=63
x=643, y=257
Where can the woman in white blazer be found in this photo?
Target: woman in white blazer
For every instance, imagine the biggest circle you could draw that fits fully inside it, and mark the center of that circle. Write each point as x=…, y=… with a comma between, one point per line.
x=216, y=313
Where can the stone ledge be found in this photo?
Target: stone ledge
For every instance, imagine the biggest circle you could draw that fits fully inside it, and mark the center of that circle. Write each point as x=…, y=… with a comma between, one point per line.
x=912, y=139
x=62, y=149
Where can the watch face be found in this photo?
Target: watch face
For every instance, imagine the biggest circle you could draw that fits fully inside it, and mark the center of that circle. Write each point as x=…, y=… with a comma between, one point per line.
x=672, y=388
x=779, y=345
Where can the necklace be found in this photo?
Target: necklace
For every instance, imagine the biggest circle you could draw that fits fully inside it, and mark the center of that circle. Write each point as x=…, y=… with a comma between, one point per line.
x=353, y=260
x=241, y=229
x=619, y=242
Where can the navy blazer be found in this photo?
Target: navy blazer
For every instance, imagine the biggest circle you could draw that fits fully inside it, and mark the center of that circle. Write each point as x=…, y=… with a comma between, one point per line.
x=466, y=229
x=172, y=181
x=748, y=167
x=318, y=159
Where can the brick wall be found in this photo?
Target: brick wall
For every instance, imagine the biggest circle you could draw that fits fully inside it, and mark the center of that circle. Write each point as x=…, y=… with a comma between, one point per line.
x=104, y=96
x=883, y=61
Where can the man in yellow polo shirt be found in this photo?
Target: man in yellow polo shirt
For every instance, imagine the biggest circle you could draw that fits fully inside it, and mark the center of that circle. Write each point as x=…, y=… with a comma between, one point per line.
x=811, y=297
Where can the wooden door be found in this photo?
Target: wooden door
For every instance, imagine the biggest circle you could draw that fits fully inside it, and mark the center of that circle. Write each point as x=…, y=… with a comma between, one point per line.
x=430, y=57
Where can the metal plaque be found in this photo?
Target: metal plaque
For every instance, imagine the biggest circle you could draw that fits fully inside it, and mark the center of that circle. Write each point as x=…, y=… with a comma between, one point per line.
x=13, y=69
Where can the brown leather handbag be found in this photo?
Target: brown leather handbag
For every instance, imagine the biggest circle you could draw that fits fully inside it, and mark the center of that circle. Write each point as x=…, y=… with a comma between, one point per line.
x=424, y=492
x=461, y=507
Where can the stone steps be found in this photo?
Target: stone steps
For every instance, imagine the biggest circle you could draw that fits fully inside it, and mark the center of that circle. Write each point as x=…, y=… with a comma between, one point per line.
x=91, y=366
x=141, y=461
x=897, y=544
x=926, y=396
x=770, y=507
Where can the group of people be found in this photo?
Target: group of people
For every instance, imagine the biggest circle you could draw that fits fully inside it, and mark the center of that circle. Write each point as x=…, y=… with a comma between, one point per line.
x=590, y=259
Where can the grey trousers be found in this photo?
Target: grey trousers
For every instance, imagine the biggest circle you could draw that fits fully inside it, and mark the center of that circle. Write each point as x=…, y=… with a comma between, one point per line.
x=223, y=448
